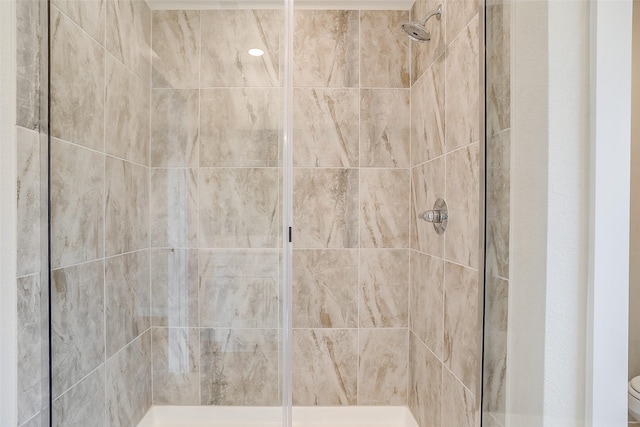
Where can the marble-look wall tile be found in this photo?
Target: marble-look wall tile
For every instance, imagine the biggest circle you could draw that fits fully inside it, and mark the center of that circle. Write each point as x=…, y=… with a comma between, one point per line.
x=496, y=304
x=462, y=236
x=498, y=188
x=31, y=58
x=77, y=322
x=239, y=208
x=385, y=128
x=41, y=419
x=330, y=60
x=176, y=49
x=495, y=375
x=240, y=127
x=227, y=36
x=425, y=384
x=127, y=207
x=77, y=84
x=30, y=347
x=174, y=128
x=28, y=186
x=325, y=208
x=458, y=13
x=428, y=114
x=427, y=185
x=382, y=366
x=325, y=125
x=126, y=114
x=462, y=89
x=498, y=63
x=239, y=288
x=384, y=49
x=458, y=403
x=427, y=300
x=384, y=208
x=129, y=35
x=174, y=287
x=84, y=404
x=384, y=288
x=128, y=385
x=174, y=208
x=176, y=366
x=325, y=288
x=325, y=367
x=127, y=302
x=461, y=323
x=88, y=14
x=239, y=367
x=424, y=54
x=77, y=199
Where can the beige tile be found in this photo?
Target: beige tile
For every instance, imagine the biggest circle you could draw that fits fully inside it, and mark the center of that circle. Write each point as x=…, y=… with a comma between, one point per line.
x=227, y=36
x=384, y=208
x=462, y=235
x=424, y=54
x=176, y=366
x=174, y=287
x=240, y=127
x=77, y=84
x=31, y=97
x=332, y=59
x=126, y=114
x=462, y=89
x=461, y=323
x=495, y=375
x=427, y=185
x=239, y=208
x=428, y=114
x=176, y=49
x=458, y=403
x=325, y=127
x=382, y=366
x=458, y=14
x=498, y=67
x=239, y=367
x=82, y=405
x=425, y=382
x=30, y=364
x=88, y=14
x=325, y=288
x=427, y=301
x=498, y=189
x=174, y=128
x=384, y=288
x=325, y=365
x=325, y=208
x=385, y=128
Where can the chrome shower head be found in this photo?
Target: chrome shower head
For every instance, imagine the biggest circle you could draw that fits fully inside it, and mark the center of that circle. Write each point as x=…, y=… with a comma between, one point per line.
x=417, y=31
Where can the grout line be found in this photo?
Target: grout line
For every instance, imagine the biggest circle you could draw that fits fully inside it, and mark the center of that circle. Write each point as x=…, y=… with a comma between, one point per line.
x=198, y=175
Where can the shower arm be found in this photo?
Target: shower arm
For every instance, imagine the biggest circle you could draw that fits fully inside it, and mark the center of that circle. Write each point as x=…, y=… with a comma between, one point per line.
x=437, y=13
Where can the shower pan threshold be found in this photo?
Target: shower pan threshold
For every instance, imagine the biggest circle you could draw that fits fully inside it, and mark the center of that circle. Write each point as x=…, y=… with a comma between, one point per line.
x=255, y=416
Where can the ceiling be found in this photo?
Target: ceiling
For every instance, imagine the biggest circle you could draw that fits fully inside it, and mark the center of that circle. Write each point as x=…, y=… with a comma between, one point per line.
x=279, y=4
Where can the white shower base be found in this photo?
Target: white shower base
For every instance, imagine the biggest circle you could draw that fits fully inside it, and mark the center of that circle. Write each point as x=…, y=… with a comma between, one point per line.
x=252, y=416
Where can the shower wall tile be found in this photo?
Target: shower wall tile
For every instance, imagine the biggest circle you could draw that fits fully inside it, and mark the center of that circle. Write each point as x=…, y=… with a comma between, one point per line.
x=87, y=14
x=84, y=404
x=77, y=204
x=31, y=56
x=176, y=366
x=385, y=128
x=325, y=367
x=174, y=208
x=384, y=288
x=325, y=288
x=77, y=322
x=29, y=148
x=428, y=184
x=495, y=374
x=458, y=14
x=498, y=63
x=425, y=384
x=239, y=288
x=427, y=301
x=239, y=367
x=127, y=207
x=462, y=244
x=428, y=114
x=384, y=208
x=458, y=403
x=30, y=347
x=126, y=114
x=240, y=127
x=325, y=208
x=499, y=194
x=460, y=323
x=176, y=49
x=174, y=287
x=462, y=89
x=424, y=54
x=384, y=49
x=174, y=127
x=325, y=127
x=127, y=299
x=129, y=35
x=239, y=208
x=128, y=383
x=77, y=99
x=382, y=366
x=227, y=36
x=330, y=60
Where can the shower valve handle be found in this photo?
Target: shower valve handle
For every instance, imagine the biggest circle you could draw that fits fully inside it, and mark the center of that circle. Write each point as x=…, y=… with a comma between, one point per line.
x=435, y=216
